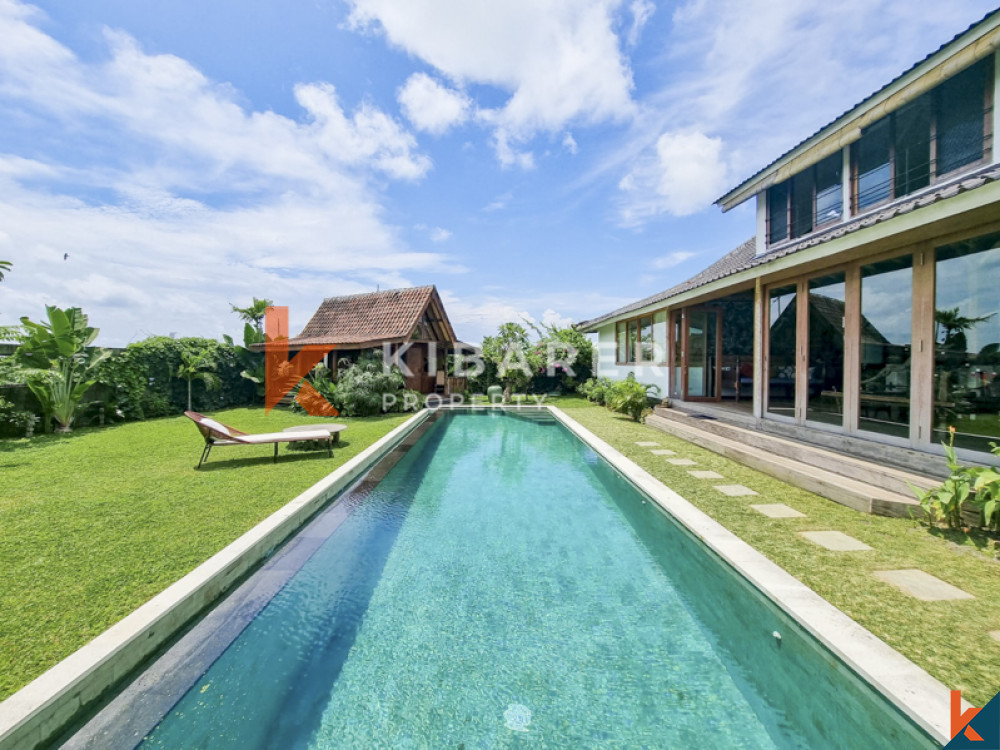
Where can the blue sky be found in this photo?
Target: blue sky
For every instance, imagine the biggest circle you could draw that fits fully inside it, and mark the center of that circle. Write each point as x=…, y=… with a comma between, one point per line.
x=552, y=159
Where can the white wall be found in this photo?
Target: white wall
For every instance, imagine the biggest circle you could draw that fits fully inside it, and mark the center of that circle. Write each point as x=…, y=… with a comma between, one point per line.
x=645, y=373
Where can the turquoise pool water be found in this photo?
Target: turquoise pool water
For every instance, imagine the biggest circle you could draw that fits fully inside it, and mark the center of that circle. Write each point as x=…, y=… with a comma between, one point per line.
x=501, y=587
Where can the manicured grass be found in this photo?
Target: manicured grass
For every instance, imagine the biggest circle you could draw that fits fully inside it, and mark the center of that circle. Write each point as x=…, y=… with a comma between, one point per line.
x=95, y=523
x=949, y=639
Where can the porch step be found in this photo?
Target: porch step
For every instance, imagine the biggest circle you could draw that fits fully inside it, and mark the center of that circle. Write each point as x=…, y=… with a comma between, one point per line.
x=849, y=481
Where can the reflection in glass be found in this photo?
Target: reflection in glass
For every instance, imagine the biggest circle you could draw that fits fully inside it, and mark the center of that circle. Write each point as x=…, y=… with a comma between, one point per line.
x=781, y=351
x=967, y=343
x=886, y=312
x=622, y=348
x=660, y=337
x=633, y=330
x=646, y=338
x=874, y=167
x=703, y=330
x=826, y=349
x=675, y=380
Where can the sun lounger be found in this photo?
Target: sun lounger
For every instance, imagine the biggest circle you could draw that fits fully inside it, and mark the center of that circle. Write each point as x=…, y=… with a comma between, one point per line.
x=216, y=433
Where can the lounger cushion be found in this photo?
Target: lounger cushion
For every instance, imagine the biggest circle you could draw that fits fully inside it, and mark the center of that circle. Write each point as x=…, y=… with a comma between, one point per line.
x=284, y=437
x=213, y=425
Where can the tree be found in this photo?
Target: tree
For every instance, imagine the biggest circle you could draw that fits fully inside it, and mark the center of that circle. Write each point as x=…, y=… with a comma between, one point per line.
x=254, y=313
x=515, y=358
x=60, y=362
x=198, y=366
x=4, y=268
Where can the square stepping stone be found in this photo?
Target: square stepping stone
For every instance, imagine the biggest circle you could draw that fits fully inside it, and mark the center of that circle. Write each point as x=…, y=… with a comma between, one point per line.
x=646, y=443
x=705, y=474
x=995, y=635
x=835, y=540
x=778, y=510
x=663, y=452
x=734, y=490
x=681, y=462
x=921, y=585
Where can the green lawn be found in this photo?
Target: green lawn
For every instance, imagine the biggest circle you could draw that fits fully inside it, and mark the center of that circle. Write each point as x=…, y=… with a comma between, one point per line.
x=949, y=639
x=95, y=523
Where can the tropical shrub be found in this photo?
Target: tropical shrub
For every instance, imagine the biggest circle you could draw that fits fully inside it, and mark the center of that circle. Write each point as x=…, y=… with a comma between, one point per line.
x=15, y=422
x=361, y=386
x=977, y=486
x=630, y=397
x=596, y=389
x=142, y=378
x=514, y=357
x=61, y=363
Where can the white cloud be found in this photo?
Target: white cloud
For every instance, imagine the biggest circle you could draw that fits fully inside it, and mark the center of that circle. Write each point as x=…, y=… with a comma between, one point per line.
x=499, y=203
x=642, y=11
x=560, y=61
x=173, y=198
x=432, y=107
x=438, y=234
x=569, y=143
x=673, y=259
x=551, y=318
x=684, y=175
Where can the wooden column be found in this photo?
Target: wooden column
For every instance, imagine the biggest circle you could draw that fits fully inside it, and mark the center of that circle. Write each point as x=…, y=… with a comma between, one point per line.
x=922, y=355
x=759, y=355
x=801, y=350
x=852, y=346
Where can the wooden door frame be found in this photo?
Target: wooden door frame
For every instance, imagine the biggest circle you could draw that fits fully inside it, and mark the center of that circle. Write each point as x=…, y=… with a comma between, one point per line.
x=685, y=364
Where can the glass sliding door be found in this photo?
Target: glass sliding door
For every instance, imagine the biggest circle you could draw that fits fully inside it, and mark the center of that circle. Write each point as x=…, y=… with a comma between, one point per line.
x=783, y=325
x=967, y=343
x=886, y=333
x=826, y=349
x=677, y=365
x=703, y=354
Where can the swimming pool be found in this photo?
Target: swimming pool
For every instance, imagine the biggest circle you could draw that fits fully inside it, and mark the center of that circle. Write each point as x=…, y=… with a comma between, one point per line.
x=502, y=584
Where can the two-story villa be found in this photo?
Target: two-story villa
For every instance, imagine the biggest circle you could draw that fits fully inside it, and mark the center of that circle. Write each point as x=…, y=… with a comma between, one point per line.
x=867, y=305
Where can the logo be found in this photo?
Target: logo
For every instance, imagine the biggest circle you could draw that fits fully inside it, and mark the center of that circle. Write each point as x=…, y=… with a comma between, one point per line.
x=975, y=727
x=282, y=375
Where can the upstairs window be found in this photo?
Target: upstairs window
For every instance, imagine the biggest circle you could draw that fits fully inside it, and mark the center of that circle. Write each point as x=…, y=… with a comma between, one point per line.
x=808, y=200
x=942, y=131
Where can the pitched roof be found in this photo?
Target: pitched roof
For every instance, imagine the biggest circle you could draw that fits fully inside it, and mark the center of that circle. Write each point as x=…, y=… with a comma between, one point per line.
x=738, y=259
x=375, y=317
x=743, y=258
x=844, y=115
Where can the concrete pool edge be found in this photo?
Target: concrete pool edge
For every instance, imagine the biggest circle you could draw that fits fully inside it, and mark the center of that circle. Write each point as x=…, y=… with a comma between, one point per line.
x=918, y=695
x=40, y=710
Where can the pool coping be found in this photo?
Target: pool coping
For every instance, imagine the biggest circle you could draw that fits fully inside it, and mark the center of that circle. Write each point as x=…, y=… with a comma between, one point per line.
x=42, y=709
x=918, y=695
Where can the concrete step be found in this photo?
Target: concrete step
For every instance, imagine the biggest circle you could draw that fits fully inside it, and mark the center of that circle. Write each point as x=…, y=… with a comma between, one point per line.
x=846, y=490
x=873, y=472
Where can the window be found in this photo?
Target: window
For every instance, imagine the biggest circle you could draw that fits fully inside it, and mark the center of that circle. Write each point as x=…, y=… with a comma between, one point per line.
x=811, y=199
x=782, y=305
x=826, y=349
x=941, y=131
x=873, y=165
x=967, y=343
x=642, y=340
x=886, y=325
x=960, y=120
x=777, y=212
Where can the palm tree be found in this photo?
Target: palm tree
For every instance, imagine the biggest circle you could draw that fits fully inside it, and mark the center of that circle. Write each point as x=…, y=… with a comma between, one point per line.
x=197, y=366
x=4, y=267
x=253, y=314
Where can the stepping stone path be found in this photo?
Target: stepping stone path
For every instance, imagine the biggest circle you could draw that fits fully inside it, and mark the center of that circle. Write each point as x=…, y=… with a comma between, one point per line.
x=646, y=443
x=835, y=540
x=734, y=490
x=778, y=510
x=706, y=474
x=921, y=585
x=663, y=452
x=681, y=462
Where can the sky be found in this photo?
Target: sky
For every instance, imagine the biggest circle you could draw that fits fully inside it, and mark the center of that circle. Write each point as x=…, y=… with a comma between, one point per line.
x=540, y=159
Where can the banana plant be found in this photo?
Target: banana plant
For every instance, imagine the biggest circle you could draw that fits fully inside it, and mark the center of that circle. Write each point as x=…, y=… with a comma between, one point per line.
x=60, y=361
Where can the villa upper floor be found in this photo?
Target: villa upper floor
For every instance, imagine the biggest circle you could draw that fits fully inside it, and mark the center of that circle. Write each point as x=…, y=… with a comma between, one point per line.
x=916, y=139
